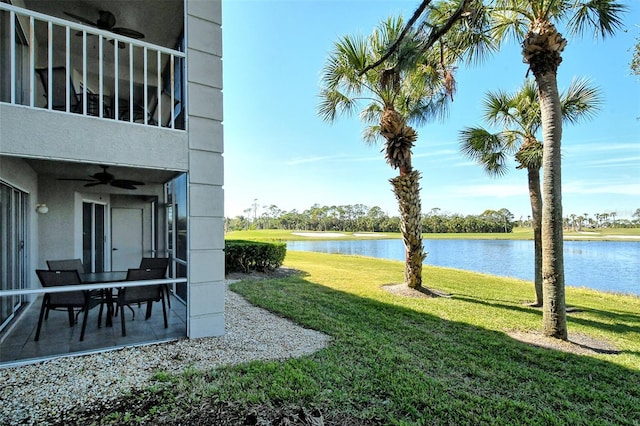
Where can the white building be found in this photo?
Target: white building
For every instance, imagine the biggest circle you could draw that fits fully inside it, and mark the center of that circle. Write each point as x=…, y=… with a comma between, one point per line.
x=131, y=92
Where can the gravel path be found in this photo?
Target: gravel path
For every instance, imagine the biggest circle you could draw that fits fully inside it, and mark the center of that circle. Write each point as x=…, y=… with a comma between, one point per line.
x=33, y=393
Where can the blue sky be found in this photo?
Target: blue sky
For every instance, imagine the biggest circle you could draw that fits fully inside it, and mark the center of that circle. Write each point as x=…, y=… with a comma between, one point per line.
x=279, y=152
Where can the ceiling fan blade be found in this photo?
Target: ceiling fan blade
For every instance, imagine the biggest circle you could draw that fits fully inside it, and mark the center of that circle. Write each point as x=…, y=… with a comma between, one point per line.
x=128, y=32
x=78, y=180
x=124, y=184
x=94, y=184
x=121, y=45
x=81, y=19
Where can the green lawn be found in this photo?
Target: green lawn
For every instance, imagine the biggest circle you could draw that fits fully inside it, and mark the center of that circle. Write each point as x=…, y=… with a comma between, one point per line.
x=395, y=360
x=624, y=234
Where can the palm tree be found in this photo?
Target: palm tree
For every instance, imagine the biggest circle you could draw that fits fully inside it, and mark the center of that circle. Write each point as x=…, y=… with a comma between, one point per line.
x=519, y=116
x=533, y=22
x=408, y=89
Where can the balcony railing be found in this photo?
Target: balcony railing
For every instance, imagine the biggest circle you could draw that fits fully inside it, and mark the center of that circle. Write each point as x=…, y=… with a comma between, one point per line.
x=48, y=62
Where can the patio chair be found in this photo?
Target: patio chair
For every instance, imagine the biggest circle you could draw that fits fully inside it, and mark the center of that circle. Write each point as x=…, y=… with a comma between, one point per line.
x=143, y=294
x=68, y=300
x=158, y=263
x=59, y=89
x=71, y=264
x=66, y=265
x=165, y=100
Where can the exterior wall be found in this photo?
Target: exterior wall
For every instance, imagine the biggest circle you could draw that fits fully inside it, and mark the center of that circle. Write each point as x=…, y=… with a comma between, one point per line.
x=54, y=135
x=206, y=173
x=40, y=134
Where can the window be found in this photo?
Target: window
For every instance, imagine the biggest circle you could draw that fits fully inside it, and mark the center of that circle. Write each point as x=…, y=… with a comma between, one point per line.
x=13, y=213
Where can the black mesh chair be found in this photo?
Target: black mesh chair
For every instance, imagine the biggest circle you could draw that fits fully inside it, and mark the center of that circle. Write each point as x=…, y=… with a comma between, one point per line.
x=143, y=294
x=68, y=300
x=71, y=264
x=59, y=89
x=158, y=263
x=66, y=265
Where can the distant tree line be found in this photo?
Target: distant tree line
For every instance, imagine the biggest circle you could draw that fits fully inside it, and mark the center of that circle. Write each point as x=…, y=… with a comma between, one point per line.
x=361, y=218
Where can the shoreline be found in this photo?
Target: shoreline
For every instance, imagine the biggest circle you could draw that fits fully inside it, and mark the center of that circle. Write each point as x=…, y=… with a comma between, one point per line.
x=331, y=235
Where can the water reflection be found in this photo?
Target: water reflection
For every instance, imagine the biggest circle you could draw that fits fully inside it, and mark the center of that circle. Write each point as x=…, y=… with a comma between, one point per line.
x=601, y=265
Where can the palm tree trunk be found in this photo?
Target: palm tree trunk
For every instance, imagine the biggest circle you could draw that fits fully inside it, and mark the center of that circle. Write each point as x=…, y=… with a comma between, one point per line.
x=554, y=318
x=535, y=196
x=406, y=188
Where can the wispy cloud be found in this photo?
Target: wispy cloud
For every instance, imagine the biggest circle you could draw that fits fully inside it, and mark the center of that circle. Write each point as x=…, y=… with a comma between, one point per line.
x=584, y=187
x=438, y=153
x=332, y=159
x=593, y=148
x=612, y=162
x=318, y=159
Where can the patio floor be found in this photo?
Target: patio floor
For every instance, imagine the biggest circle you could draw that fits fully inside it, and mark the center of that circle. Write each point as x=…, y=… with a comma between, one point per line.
x=57, y=338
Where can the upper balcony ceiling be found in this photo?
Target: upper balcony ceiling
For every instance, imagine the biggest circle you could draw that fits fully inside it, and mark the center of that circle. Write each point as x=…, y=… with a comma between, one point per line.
x=161, y=22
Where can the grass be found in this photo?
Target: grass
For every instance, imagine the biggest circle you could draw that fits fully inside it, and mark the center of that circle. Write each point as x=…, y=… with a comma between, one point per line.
x=410, y=361
x=517, y=234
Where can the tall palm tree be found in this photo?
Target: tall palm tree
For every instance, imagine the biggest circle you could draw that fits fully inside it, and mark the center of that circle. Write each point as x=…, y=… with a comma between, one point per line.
x=519, y=116
x=407, y=89
x=533, y=22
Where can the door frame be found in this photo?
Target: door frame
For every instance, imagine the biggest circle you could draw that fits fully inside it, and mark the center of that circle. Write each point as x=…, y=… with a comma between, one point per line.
x=104, y=200
x=142, y=223
x=18, y=246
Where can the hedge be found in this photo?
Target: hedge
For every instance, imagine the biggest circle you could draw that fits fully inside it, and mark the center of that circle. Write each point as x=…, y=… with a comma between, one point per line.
x=244, y=256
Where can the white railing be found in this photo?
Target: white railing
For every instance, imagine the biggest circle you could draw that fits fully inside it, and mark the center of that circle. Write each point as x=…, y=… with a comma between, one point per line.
x=132, y=81
x=96, y=286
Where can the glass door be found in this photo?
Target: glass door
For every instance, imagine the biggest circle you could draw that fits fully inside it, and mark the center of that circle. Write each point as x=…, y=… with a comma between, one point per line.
x=176, y=197
x=12, y=249
x=93, y=236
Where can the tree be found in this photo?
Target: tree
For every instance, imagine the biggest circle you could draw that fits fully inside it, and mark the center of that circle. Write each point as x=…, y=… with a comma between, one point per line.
x=518, y=114
x=533, y=23
x=635, y=59
x=399, y=95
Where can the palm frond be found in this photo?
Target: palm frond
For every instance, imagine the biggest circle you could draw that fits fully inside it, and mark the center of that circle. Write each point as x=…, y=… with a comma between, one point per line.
x=471, y=40
x=333, y=103
x=371, y=135
x=485, y=148
x=527, y=106
x=510, y=19
x=581, y=101
x=497, y=108
x=602, y=16
x=371, y=113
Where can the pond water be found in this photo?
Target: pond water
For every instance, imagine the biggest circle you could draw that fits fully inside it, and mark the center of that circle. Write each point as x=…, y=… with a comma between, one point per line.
x=602, y=265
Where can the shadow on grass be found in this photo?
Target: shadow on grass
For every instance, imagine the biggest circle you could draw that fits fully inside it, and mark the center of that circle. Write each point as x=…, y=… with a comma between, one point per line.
x=401, y=365
x=496, y=304
x=618, y=323
x=391, y=365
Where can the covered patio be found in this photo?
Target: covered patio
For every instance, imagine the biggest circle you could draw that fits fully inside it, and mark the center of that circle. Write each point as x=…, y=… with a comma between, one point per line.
x=57, y=338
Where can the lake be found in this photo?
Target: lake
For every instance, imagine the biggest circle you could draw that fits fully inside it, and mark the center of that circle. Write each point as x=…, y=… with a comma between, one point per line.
x=602, y=265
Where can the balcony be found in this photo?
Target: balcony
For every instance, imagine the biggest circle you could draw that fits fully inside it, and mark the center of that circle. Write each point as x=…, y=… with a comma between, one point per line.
x=50, y=58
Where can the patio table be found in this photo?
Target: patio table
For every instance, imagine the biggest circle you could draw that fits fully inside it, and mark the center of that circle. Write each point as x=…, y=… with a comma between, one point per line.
x=105, y=277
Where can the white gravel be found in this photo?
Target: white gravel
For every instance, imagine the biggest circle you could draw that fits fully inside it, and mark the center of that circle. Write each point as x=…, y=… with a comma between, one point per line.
x=32, y=393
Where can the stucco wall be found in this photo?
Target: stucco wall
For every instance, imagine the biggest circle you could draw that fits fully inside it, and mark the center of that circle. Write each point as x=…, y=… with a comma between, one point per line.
x=57, y=135
x=206, y=173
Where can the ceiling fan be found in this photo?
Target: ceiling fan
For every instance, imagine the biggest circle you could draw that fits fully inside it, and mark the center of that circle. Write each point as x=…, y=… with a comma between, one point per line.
x=106, y=178
x=107, y=21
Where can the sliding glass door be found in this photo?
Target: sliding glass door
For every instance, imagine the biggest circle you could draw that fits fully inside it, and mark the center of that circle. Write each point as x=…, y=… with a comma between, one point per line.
x=176, y=196
x=12, y=249
x=93, y=236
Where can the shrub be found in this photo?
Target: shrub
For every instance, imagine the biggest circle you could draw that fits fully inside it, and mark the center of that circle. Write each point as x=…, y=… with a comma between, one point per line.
x=244, y=256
